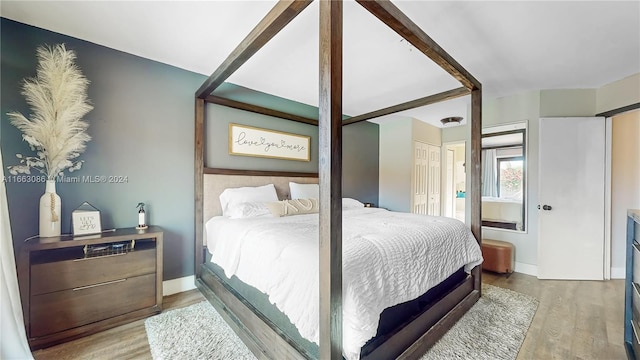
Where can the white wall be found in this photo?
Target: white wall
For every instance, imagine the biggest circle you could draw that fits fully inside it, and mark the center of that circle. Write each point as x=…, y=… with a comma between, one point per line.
x=396, y=159
x=562, y=103
x=618, y=94
x=523, y=107
x=423, y=132
x=625, y=181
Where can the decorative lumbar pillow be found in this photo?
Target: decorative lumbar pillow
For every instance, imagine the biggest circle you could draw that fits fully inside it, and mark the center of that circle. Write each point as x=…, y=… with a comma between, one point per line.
x=234, y=196
x=304, y=191
x=294, y=207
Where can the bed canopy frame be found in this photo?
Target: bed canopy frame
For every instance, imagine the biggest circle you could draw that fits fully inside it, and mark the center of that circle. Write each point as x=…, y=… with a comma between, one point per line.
x=330, y=122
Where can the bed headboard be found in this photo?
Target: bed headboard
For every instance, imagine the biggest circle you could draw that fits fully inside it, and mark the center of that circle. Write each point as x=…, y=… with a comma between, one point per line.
x=217, y=180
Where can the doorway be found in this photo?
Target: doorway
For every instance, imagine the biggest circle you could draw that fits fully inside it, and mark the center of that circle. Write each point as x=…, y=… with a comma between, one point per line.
x=454, y=189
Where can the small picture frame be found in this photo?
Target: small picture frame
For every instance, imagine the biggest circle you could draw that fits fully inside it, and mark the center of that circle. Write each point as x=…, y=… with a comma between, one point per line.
x=85, y=220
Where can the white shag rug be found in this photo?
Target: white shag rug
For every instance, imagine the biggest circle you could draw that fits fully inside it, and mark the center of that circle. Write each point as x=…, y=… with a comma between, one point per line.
x=493, y=329
x=195, y=332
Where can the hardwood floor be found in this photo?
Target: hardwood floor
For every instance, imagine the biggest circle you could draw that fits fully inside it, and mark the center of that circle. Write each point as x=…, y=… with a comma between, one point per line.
x=575, y=320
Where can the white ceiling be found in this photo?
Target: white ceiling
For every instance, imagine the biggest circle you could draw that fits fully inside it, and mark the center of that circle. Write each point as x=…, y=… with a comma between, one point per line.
x=509, y=46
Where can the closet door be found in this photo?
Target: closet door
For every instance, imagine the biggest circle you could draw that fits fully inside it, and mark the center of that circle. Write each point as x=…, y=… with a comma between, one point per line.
x=419, y=197
x=426, y=179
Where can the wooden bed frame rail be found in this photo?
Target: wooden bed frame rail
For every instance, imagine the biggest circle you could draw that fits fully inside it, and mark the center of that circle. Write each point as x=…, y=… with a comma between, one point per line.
x=265, y=340
x=330, y=139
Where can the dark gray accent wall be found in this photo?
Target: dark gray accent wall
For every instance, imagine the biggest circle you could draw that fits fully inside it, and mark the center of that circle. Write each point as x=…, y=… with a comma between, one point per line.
x=360, y=158
x=142, y=127
x=217, y=154
x=360, y=149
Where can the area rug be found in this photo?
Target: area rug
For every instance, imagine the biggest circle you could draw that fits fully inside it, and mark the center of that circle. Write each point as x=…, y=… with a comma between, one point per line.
x=493, y=329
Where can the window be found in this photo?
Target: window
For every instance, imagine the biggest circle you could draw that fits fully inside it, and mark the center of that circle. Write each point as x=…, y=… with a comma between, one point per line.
x=510, y=175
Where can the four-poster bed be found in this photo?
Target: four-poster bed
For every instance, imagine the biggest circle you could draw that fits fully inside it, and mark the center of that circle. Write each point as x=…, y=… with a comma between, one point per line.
x=259, y=333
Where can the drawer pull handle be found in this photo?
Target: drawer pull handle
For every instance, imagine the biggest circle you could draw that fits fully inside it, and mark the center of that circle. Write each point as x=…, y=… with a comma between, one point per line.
x=100, y=284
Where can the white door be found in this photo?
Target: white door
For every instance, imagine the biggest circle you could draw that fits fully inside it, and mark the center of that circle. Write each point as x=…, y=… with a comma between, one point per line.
x=425, y=196
x=420, y=181
x=433, y=189
x=449, y=194
x=571, y=198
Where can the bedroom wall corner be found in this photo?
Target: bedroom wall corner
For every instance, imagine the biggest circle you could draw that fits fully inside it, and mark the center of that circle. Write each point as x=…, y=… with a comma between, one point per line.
x=618, y=94
x=395, y=164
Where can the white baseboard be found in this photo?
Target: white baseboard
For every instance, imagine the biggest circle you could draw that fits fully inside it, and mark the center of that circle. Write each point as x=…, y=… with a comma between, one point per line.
x=618, y=273
x=526, y=269
x=175, y=286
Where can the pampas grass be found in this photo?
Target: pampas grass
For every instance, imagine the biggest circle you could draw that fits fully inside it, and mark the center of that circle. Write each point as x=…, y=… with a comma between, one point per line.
x=55, y=130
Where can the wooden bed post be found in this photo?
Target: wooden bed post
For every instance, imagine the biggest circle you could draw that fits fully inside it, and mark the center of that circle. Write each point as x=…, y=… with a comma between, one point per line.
x=330, y=174
x=476, y=176
x=199, y=181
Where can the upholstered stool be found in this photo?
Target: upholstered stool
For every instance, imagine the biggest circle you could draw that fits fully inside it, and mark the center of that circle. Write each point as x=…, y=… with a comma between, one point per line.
x=498, y=256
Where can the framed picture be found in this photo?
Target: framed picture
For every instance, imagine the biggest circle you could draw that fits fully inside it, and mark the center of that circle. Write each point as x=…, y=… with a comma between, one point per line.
x=251, y=141
x=85, y=220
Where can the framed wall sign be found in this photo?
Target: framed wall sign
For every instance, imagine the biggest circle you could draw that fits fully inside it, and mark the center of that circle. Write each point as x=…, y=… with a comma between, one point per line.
x=251, y=141
x=86, y=220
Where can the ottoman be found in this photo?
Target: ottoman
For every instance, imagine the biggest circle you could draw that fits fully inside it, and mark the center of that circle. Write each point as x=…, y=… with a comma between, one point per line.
x=498, y=256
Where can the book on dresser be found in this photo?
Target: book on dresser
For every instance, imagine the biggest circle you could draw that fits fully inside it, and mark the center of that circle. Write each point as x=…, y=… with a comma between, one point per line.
x=632, y=286
x=75, y=286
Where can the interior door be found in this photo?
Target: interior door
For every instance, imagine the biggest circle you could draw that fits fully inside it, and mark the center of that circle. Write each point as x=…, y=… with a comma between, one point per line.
x=571, y=198
x=426, y=179
x=449, y=194
x=433, y=189
x=420, y=180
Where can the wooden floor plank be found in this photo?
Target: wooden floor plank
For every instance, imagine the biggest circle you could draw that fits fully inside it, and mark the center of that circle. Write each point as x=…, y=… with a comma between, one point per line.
x=574, y=320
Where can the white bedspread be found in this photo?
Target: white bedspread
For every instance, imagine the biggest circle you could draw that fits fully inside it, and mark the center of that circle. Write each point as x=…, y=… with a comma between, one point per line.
x=388, y=258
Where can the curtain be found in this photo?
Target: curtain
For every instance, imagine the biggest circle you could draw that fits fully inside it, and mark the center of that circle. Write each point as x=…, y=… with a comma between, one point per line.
x=13, y=344
x=489, y=177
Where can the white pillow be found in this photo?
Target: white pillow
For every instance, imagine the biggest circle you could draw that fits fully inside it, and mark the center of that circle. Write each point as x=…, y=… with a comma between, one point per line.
x=234, y=196
x=349, y=203
x=304, y=191
x=248, y=210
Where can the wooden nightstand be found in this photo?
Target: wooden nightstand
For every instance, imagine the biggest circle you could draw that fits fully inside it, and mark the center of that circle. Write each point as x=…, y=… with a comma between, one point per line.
x=72, y=287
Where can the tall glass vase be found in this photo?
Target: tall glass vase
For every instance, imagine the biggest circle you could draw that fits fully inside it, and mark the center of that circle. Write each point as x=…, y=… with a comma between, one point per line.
x=50, y=207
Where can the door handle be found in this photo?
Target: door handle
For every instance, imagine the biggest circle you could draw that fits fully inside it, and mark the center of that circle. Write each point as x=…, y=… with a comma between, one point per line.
x=545, y=207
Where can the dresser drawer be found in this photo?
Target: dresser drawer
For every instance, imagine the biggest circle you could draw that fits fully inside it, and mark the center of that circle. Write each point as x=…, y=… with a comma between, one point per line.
x=636, y=302
x=636, y=263
x=635, y=339
x=69, y=274
x=66, y=309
